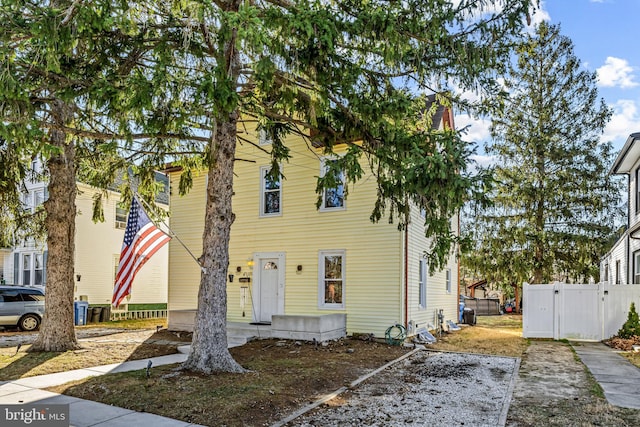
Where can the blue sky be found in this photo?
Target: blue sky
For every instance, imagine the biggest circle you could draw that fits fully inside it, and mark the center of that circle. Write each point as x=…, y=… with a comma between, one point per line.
x=605, y=37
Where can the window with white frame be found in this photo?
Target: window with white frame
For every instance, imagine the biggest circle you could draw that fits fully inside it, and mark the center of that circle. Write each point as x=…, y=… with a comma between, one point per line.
x=333, y=195
x=331, y=275
x=422, y=282
x=32, y=265
x=38, y=198
x=270, y=193
x=606, y=272
x=26, y=269
x=617, y=272
x=263, y=138
x=636, y=267
x=448, y=281
x=38, y=269
x=27, y=204
x=121, y=218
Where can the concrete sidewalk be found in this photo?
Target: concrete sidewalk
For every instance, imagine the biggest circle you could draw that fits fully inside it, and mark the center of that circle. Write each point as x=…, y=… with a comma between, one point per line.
x=619, y=379
x=85, y=413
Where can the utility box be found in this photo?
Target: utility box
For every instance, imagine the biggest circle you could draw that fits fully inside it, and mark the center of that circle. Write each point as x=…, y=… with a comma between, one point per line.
x=469, y=316
x=80, y=311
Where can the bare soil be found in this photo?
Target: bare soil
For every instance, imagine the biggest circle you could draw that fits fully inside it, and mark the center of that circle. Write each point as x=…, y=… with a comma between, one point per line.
x=552, y=388
x=284, y=376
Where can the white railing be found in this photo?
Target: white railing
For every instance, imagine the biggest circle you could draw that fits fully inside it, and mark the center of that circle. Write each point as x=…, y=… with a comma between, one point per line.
x=138, y=314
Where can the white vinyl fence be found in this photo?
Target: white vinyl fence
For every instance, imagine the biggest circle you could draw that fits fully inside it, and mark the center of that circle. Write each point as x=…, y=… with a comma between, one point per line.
x=591, y=312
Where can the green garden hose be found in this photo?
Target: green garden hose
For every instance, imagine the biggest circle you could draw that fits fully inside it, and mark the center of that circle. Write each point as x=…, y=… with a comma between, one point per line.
x=395, y=334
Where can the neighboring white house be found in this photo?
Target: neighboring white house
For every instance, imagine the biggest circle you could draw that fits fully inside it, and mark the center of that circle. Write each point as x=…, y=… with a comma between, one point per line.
x=97, y=251
x=621, y=265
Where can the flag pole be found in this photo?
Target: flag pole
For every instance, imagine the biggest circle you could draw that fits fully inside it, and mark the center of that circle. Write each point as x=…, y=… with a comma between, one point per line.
x=171, y=232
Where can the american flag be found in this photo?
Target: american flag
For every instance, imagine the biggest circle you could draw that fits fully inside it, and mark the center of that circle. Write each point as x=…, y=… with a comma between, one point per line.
x=142, y=239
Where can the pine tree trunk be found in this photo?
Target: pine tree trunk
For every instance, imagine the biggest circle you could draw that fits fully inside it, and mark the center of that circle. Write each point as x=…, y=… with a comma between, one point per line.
x=209, y=352
x=57, y=332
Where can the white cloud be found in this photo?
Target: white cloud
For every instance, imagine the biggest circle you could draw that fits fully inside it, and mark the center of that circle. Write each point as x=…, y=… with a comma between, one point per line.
x=616, y=72
x=478, y=130
x=483, y=161
x=539, y=15
x=625, y=120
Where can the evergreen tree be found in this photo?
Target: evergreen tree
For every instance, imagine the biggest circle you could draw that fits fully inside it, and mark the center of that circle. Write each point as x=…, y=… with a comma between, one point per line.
x=554, y=204
x=178, y=81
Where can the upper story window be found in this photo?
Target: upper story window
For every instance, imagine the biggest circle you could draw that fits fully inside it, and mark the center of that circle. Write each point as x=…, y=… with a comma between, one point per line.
x=617, y=272
x=270, y=193
x=121, y=218
x=448, y=281
x=263, y=138
x=31, y=200
x=38, y=198
x=333, y=196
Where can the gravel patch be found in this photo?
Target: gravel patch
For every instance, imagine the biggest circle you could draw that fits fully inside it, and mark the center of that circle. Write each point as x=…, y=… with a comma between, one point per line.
x=427, y=388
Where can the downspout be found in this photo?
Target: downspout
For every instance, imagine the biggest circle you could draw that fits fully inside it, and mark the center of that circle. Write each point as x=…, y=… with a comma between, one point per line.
x=457, y=310
x=627, y=260
x=406, y=277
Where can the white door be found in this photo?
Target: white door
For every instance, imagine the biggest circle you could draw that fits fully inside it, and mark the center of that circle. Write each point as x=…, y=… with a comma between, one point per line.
x=267, y=292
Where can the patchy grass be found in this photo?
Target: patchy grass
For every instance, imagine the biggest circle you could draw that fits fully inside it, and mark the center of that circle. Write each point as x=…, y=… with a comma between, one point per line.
x=633, y=357
x=105, y=350
x=282, y=377
x=127, y=324
x=498, y=335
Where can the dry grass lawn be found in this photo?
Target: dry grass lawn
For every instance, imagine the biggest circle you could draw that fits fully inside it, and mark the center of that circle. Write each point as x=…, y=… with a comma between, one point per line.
x=497, y=335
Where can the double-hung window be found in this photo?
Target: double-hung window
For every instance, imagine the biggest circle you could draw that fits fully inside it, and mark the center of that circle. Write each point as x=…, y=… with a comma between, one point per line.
x=270, y=193
x=121, y=218
x=331, y=279
x=38, y=269
x=26, y=269
x=333, y=194
x=448, y=281
x=422, y=282
x=617, y=272
x=636, y=267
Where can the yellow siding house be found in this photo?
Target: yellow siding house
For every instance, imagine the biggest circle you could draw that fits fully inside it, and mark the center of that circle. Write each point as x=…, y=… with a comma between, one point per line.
x=289, y=258
x=97, y=252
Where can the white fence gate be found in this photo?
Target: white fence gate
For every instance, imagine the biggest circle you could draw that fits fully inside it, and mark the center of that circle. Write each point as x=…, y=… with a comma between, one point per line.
x=591, y=312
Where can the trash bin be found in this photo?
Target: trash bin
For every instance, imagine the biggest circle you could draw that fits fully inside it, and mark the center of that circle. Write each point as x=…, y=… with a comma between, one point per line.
x=95, y=314
x=461, y=311
x=80, y=309
x=105, y=314
x=469, y=316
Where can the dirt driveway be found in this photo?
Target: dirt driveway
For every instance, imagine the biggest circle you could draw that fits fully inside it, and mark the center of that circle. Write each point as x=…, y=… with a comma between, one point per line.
x=554, y=388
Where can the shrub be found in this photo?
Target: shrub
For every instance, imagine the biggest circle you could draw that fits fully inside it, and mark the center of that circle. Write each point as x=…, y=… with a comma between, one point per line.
x=631, y=327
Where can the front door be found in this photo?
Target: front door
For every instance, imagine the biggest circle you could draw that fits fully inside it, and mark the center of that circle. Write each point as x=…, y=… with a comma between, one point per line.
x=267, y=289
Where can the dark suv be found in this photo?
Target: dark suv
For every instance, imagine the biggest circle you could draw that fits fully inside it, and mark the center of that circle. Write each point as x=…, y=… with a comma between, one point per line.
x=21, y=306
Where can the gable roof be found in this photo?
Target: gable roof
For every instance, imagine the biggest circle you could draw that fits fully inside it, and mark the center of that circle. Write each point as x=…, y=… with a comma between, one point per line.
x=628, y=156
